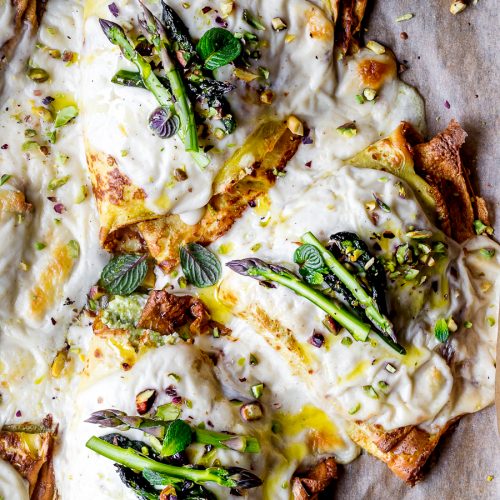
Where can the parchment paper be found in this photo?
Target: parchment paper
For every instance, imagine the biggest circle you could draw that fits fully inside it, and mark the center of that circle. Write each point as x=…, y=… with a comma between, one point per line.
x=455, y=59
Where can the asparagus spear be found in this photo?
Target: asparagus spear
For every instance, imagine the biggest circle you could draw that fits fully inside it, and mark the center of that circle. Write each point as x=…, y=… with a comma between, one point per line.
x=117, y=36
x=262, y=271
x=372, y=312
x=160, y=42
x=157, y=428
x=205, y=90
x=230, y=477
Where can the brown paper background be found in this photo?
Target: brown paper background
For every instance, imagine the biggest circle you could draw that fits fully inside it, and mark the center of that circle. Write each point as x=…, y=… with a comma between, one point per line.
x=453, y=58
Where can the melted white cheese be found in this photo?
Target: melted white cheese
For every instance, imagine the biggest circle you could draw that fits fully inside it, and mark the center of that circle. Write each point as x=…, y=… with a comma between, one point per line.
x=12, y=485
x=7, y=14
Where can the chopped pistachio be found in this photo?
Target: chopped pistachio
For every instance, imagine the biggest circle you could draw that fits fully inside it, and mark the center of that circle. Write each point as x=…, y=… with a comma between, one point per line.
x=278, y=24
x=452, y=325
x=39, y=245
x=253, y=360
x=490, y=478
x=256, y=247
x=289, y=38
x=381, y=204
x=360, y=98
x=404, y=17
x=54, y=53
x=369, y=94
x=354, y=409
x=347, y=129
x=264, y=72
x=419, y=234
x=4, y=179
x=369, y=263
x=82, y=195
x=74, y=249
x=226, y=7
x=252, y=20
x=23, y=266
x=58, y=182
x=347, y=341
x=403, y=254
x=487, y=253
x=467, y=324
x=267, y=96
x=480, y=227
x=38, y=75
x=219, y=134
x=245, y=75
x=43, y=113
x=295, y=125
x=383, y=385
x=370, y=205
x=390, y=368
x=257, y=390
x=370, y=391
x=174, y=376
x=491, y=321
x=30, y=132
x=186, y=5
x=182, y=281
x=59, y=363
x=457, y=7
x=411, y=274
x=485, y=286
x=375, y=47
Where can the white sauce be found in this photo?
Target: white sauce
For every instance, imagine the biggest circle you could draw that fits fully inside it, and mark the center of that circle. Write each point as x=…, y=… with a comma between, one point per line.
x=12, y=485
x=7, y=14
x=324, y=198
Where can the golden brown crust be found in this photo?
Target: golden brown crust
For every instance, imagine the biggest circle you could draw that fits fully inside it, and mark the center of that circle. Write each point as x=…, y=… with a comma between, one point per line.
x=308, y=485
x=439, y=162
x=31, y=455
x=348, y=18
x=406, y=454
x=164, y=236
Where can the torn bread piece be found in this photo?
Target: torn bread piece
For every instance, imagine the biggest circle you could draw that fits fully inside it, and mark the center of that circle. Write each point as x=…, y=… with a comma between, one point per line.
x=405, y=450
x=308, y=485
x=435, y=172
x=28, y=448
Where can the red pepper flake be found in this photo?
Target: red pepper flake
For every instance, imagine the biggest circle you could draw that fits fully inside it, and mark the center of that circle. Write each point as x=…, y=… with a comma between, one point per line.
x=447, y=105
x=205, y=10
x=309, y=164
x=177, y=400
x=221, y=22
x=18, y=413
x=59, y=208
x=113, y=8
x=5, y=146
x=317, y=339
x=171, y=391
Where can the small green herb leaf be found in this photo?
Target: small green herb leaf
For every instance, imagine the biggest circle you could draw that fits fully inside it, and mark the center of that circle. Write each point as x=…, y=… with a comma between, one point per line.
x=200, y=266
x=4, y=179
x=168, y=412
x=441, y=330
x=218, y=47
x=124, y=273
x=65, y=115
x=177, y=438
x=312, y=265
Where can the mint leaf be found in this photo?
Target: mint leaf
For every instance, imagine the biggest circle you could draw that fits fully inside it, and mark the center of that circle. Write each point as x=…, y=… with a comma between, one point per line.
x=441, y=330
x=312, y=265
x=65, y=115
x=218, y=47
x=177, y=438
x=200, y=266
x=124, y=273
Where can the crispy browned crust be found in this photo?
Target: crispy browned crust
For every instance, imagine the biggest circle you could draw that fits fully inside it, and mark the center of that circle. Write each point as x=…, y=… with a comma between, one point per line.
x=405, y=450
x=439, y=162
x=31, y=455
x=164, y=236
x=348, y=18
x=308, y=485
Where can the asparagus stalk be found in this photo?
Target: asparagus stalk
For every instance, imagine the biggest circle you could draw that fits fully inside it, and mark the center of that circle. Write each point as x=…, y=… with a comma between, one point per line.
x=117, y=36
x=160, y=42
x=157, y=428
x=230, y=477
x=262, y=271
x=380, y=321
